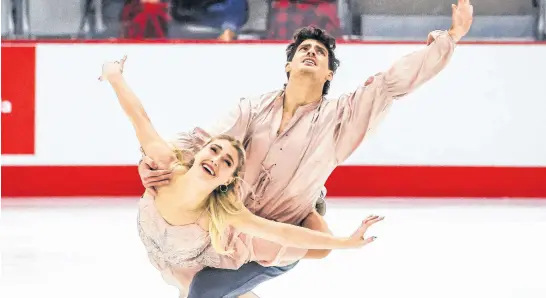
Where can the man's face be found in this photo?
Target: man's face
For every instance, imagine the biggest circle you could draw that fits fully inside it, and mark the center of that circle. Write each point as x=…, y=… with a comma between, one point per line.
x=311, y=58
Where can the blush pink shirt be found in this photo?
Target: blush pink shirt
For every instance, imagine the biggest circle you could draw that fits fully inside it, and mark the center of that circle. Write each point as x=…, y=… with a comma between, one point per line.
x=286, y=172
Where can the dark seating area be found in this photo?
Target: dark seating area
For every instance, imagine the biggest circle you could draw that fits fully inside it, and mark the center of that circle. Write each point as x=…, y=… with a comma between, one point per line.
x=358, y=19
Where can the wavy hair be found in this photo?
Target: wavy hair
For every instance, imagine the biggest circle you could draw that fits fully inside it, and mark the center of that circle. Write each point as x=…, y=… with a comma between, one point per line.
x=225, y=200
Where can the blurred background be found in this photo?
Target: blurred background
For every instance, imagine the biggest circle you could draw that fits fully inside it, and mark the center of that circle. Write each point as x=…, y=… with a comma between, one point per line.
x=260, y=19
x=458, y=167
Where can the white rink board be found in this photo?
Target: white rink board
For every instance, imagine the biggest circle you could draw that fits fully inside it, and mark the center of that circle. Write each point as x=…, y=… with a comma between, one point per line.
x=486, y=108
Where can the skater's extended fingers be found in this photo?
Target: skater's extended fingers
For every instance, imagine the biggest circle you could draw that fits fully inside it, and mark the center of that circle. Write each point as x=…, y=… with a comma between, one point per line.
x=368, y=240
x=369, y=218
x=122, y=61
x=373, y=221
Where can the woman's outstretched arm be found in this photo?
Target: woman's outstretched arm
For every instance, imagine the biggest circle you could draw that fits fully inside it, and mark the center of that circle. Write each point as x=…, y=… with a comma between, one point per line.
x=150, y=141
x=295, y=236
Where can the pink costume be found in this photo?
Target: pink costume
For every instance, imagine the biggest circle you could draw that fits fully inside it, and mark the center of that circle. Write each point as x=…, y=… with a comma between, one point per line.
x=287, y=171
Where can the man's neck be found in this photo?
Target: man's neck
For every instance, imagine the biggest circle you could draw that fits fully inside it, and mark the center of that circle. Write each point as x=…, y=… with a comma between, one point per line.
x=299, y=93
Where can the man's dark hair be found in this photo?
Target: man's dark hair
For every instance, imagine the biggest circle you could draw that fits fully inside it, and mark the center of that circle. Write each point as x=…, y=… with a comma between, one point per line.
x=321, y=36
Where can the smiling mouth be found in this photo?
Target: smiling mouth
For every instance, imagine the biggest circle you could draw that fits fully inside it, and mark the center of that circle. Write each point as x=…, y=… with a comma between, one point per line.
x=208, y=169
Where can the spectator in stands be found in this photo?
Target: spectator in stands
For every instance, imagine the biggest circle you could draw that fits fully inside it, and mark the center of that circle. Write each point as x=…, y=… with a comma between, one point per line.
x=226, y=15
x=111, y=11
x=143, y=19
x=286, y=16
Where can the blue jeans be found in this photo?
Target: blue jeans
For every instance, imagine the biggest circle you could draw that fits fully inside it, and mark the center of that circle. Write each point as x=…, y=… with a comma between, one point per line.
x=223, y=283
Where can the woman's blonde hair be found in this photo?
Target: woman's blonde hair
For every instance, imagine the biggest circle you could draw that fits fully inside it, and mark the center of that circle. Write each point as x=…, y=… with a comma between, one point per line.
x=225, y=200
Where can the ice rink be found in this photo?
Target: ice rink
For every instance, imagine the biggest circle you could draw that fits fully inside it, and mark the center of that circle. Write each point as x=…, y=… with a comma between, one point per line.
x=89, y=248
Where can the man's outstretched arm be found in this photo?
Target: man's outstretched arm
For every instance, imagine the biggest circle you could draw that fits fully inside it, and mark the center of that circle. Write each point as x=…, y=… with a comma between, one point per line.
x=361, y=111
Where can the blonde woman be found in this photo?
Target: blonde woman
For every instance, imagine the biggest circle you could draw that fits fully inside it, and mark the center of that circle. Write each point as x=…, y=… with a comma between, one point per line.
x=199, y=219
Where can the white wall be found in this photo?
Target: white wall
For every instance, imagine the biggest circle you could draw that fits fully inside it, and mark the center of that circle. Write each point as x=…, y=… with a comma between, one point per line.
x=486, y=108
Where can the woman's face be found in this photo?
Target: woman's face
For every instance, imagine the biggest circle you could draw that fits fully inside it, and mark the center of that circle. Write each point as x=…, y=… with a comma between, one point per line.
x=217, y=162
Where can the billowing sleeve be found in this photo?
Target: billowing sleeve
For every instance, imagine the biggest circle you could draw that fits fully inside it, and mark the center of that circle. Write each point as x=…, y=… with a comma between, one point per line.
x=362, y=110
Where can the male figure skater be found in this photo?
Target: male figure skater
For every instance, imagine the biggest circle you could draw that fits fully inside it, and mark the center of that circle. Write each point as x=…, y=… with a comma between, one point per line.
x=295, y=137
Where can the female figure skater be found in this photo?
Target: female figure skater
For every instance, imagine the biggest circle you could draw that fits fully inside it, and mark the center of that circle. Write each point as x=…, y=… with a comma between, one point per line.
x=199, y=219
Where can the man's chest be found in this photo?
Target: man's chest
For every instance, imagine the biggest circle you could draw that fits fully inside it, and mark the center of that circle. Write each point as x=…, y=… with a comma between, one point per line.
x=285, y=121
x=279, y=150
